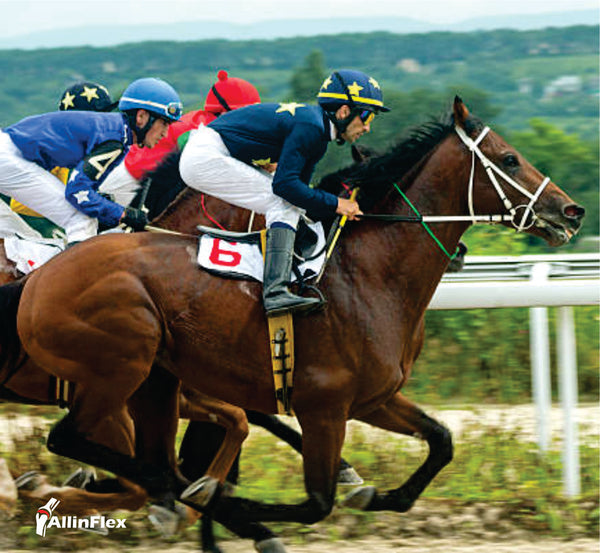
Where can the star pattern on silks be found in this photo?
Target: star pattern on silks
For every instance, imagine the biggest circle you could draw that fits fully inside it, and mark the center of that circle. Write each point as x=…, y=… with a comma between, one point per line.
x=326, y=83
x=67, y=101
x=374, y=83
x=73, y=174
x=82, y=196
x=90, y=93
x=355, y=89
x=291, y=107
x=261, y=162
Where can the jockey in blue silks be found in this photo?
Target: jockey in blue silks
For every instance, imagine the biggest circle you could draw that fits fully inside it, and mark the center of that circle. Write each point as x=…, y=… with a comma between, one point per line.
x=224, y=159
x=90, y=144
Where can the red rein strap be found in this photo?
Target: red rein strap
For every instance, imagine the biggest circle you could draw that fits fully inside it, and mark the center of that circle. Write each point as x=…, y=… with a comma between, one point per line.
x=208, y=216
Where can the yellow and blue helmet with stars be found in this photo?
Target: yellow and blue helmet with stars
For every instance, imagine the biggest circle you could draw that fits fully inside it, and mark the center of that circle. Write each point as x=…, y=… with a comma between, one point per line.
x=351, y=88
x=86, y=96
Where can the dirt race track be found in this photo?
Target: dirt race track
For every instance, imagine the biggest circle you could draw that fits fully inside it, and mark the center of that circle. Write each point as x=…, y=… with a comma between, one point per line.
x=374, y=545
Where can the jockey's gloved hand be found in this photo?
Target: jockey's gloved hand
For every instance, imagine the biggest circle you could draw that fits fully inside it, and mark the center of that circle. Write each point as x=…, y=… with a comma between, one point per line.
x=134, y=218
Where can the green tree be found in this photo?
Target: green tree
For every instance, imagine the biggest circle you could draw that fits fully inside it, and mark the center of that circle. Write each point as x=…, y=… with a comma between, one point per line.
x=307, y=79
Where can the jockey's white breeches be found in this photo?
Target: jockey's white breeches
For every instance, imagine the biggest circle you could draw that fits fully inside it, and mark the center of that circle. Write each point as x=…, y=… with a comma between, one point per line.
x=206, y=165
x=41, y=191
x=120, y=185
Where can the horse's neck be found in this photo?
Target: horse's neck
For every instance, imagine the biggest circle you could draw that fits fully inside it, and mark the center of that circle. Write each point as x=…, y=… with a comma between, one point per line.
x=191, y=209
x=183, y=214
x=410, y=261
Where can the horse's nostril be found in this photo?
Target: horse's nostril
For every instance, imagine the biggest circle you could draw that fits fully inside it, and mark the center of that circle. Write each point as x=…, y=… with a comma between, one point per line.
x=574, y=211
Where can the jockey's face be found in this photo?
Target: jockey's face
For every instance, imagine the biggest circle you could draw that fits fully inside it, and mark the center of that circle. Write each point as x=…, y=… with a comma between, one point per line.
x=157, y=131
x=355, y=129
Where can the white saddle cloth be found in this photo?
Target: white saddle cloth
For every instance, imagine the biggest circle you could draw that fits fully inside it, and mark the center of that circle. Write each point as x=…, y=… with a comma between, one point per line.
x=29, y=252
x=241, y=260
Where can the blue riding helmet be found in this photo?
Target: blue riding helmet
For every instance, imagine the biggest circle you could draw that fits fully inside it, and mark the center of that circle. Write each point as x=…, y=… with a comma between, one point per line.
x=155, y=96
x=352, y=88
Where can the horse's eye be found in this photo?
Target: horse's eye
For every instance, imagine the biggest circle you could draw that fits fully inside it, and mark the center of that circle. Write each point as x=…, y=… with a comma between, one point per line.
x=511, y=161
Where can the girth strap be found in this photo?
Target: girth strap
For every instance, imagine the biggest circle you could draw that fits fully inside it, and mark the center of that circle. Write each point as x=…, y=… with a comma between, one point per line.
x=281, y=338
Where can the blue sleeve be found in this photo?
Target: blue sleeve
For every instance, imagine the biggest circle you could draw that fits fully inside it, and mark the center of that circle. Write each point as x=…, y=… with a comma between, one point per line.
x=86, y=177
x=302, y=149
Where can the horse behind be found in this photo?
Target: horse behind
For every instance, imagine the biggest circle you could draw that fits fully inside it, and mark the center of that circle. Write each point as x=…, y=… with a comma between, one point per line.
x=99, y=314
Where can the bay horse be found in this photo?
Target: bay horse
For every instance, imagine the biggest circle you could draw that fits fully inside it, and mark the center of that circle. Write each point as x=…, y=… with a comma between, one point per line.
x=100, y=313
x=174, y=207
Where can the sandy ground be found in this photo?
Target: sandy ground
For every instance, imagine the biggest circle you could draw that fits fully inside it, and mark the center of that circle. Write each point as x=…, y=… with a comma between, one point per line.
x=374, y=545
x=519, y=418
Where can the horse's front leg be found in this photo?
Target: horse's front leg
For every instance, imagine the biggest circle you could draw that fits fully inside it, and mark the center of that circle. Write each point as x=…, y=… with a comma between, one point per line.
x=402, y=416
x=323, y=437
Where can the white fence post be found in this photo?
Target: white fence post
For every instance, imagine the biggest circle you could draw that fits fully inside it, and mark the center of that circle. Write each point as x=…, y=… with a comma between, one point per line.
x=539, y=347
x=567, y=374
x=537, y=282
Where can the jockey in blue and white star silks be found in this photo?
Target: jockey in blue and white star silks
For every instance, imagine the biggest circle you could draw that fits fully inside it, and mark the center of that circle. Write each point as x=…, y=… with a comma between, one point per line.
x=91, y=144
x=224, y=158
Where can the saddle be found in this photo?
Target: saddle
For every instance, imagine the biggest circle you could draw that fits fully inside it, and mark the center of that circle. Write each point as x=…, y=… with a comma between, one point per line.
x=304, y=246
x=281, y=328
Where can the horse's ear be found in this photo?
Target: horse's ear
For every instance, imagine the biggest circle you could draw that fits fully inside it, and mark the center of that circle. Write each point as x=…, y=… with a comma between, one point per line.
x=460, y=112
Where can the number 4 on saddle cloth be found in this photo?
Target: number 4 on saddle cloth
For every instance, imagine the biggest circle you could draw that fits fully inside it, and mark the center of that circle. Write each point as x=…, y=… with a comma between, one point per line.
x=239, y=254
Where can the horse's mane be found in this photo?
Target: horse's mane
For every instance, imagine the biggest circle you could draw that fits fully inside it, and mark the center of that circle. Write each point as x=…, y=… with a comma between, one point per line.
x=376, y=176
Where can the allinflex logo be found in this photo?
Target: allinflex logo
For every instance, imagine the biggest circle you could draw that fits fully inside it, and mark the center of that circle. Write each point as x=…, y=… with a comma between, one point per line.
x=44, y=519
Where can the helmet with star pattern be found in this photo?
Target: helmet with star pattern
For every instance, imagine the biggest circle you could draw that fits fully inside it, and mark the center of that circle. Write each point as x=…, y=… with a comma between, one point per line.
x=352, y=88
x=86, y=96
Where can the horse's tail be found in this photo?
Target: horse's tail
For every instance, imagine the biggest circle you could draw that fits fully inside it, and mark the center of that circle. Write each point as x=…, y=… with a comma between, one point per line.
x=10, y=344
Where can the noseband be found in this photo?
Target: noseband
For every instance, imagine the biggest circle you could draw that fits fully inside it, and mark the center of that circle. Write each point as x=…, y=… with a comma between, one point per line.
x=492, y=170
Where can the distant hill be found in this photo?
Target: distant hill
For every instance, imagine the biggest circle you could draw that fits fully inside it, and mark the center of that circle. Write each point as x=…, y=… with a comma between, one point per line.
x=266, y=30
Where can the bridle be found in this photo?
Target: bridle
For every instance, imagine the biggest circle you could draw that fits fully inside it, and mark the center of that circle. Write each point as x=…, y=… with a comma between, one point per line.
x=492, y=170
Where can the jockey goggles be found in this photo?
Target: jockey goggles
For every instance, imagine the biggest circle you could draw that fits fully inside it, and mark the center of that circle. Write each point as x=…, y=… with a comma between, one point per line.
x=170, y=112
x=174, y=110
x=366, y=116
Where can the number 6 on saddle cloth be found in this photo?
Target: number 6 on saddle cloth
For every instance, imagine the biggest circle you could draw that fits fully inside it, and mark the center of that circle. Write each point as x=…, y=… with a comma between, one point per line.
x=239, y=255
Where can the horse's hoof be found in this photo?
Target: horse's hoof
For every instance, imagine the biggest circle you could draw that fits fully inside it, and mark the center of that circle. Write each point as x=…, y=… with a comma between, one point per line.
x=349, y=477
x=201, y=491
x=164, y=520
x=28, y=481
x=271, y=545
x=360, y=498
x=80, y=478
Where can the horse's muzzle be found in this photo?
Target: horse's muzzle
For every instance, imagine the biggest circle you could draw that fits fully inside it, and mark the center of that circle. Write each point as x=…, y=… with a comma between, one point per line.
x=560, y=225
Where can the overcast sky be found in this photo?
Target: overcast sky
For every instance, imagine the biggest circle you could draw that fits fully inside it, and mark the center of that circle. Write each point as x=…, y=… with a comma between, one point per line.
x=23, y=16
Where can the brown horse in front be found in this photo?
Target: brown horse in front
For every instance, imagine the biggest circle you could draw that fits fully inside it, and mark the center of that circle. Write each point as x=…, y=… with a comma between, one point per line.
x=102, y=312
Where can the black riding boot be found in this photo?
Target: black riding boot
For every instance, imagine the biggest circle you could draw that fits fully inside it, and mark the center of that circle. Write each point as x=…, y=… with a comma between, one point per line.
x=278, y=267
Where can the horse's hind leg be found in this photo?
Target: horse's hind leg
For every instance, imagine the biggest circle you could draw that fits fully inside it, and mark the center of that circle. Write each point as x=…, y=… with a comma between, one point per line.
x=80, y=502
x=107, y=442
x=401, y=416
